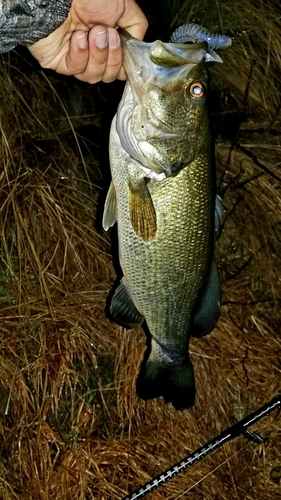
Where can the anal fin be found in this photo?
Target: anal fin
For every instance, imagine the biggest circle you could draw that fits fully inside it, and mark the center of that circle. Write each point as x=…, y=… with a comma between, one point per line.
x=122, y=308
x=219, y=212
x=208, y=311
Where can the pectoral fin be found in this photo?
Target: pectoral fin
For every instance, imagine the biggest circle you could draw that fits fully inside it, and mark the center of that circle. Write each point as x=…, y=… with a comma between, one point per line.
x=110, y=208
x=142, y=211
x=208, y=311
x=122, y=308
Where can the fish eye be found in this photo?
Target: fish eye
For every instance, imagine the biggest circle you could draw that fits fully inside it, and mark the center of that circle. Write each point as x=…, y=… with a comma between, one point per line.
x=197, y=90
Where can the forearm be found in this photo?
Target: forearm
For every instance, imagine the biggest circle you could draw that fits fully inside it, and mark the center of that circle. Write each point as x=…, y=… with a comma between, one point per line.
x=27, y=21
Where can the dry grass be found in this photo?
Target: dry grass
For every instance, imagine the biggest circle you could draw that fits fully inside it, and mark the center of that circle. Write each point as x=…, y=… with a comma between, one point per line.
x=71, y=424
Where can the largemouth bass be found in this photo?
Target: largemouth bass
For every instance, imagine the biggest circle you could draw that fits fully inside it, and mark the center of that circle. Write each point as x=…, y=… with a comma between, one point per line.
x=163, y=196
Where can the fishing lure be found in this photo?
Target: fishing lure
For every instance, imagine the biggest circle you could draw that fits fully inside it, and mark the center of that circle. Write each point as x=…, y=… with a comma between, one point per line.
x=240, y=427
x=195, y=33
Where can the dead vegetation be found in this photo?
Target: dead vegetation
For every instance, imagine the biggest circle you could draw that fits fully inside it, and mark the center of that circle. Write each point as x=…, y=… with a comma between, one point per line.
x=71, y=424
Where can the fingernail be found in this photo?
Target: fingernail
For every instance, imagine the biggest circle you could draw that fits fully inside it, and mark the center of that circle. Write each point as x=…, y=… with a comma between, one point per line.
x=114, y=40
x=101, y=39
x=82, y=41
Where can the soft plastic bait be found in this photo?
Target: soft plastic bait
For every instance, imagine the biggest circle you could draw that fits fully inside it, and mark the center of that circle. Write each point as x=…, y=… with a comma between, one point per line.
x=195, y=33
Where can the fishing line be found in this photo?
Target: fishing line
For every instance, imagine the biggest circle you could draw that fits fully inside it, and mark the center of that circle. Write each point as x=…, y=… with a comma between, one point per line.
x=244, y=32
x=232, y=432
x=213, y=470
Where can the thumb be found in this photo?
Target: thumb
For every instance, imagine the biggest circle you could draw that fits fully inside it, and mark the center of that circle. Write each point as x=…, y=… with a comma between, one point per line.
x=133, y=20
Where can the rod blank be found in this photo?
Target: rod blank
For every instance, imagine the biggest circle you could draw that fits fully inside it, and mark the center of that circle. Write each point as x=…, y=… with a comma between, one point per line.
x=230, y=433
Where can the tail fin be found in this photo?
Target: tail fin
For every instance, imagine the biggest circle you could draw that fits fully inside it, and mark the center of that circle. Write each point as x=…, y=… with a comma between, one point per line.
x=174, y=382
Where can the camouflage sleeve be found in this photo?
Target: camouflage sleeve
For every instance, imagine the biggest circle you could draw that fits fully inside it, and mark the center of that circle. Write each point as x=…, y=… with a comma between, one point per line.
x=26, y=21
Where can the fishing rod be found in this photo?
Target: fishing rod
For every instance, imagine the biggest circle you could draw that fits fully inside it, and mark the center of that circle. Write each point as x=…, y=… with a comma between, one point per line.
x=232, y=432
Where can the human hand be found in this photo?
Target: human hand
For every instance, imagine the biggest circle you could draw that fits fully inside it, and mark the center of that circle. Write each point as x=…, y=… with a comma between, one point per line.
x=87, y=44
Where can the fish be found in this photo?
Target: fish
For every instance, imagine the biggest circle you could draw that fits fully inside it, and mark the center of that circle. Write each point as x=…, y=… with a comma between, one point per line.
x=163, y=198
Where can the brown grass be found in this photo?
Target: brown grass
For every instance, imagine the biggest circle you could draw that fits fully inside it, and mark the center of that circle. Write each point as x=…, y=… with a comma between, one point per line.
x=71, y=424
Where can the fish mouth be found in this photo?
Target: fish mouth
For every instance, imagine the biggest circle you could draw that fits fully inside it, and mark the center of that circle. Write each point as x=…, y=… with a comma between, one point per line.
x=158, y=63
x=167, y=54
x=174, y=54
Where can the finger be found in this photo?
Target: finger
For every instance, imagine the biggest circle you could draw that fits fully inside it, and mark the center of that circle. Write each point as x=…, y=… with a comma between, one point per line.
x=133, y=20
x=94, y=71
x=71, y=57
x=76, y=59
x=114, y=59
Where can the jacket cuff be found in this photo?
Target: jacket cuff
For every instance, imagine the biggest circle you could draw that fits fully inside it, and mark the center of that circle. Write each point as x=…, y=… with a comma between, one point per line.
x=25, y=22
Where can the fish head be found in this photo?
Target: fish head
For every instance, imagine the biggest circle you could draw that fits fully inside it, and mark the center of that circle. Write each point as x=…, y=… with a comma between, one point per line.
x=163, y=119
